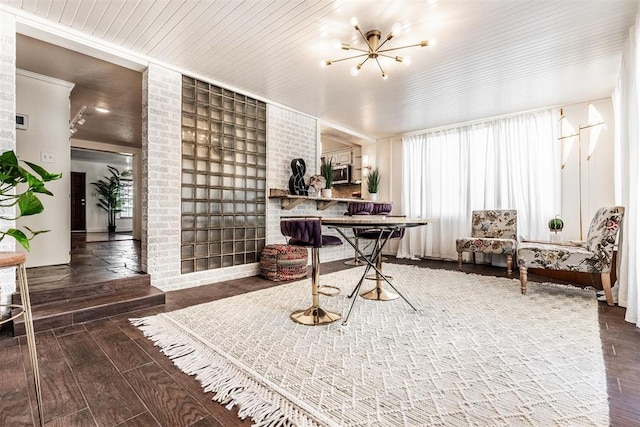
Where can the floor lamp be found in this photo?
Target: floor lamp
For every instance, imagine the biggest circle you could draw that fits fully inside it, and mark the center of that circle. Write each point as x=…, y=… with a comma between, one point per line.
x=568, y=135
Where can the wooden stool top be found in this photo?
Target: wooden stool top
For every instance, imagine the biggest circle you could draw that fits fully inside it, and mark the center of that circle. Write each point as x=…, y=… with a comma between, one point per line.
x=12, y=259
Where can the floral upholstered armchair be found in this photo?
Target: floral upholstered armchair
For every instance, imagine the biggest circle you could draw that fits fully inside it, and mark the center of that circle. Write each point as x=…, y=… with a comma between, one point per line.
x=492, y=232
x=592, y=256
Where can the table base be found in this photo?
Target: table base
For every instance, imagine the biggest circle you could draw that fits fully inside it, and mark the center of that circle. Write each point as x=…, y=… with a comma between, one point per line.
x=380, y=294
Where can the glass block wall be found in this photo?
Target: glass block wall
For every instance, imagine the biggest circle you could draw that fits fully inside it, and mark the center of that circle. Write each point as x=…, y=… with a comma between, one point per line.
x=224, y=158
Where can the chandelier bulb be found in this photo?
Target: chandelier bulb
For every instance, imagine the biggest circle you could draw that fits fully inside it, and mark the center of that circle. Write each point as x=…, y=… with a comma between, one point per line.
x=355, y=70
x=354, y=22
x=345, y=46
x=399, y=59
x=406, y=60
x=396, y=30
x=384, y=76
x=325, y=63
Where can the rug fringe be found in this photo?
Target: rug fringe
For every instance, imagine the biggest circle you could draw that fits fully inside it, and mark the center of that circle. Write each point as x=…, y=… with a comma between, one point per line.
x=230, y=385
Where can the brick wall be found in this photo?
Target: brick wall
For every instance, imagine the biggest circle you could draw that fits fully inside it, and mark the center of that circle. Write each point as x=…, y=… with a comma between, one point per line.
x=293, y=135
x=7, y=132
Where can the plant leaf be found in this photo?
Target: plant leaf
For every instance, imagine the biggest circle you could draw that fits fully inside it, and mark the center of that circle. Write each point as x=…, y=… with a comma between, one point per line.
x=19, y=236
x=29, y=204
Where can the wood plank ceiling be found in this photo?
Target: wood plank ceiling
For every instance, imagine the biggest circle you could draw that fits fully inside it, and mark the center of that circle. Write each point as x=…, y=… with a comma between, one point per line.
x=491, y=57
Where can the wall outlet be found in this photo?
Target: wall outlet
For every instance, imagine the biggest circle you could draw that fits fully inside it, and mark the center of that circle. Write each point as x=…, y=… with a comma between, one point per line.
x=46, y=157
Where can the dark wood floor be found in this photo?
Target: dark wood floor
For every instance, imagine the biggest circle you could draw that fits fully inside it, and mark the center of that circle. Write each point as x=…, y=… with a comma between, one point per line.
x=106, y=373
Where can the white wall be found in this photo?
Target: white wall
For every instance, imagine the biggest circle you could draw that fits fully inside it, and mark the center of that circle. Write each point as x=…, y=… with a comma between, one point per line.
x=46, y=101
x=96, y=217
x=595, y=188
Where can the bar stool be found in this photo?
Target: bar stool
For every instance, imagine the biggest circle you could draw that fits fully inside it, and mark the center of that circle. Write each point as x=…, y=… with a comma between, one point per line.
x=307, y=232
x=357, y=208
x=18, y=259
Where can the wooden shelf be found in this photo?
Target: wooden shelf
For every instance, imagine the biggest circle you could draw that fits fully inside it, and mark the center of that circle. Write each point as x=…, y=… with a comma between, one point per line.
x=288, y=201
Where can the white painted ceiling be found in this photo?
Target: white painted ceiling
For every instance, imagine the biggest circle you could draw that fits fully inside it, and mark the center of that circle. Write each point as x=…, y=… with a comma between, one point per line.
x=491, y=57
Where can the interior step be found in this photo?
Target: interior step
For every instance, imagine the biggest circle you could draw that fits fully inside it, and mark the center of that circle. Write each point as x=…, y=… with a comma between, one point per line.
x=52, y=291
x=78, y=310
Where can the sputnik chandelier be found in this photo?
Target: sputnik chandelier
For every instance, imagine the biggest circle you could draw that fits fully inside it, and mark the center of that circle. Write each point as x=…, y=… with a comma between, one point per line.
x=374, y=49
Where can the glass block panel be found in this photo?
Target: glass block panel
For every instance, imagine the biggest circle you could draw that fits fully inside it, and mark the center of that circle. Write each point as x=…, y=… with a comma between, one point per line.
x=227, y=261
x=188, y=149
x=202, y=264
x=215, y=209
x=187, y=267
x=215, y=236
x=223, y=177
x=215, y=248
x=187, y=251
x=188, y=106
x=202, y=222
x=188, y=121
x=188, y=135
x=201, y=193
x=215, y=262
x=238, y=259
x=227, y=247
x=188, y=222
x=202, y=251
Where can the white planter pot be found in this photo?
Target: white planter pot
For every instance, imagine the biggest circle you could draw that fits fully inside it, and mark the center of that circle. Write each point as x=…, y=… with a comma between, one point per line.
x=373, y=196
x=326, y=192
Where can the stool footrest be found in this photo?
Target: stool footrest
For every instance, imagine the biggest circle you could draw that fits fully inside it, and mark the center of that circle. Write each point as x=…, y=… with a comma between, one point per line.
x=331, y=291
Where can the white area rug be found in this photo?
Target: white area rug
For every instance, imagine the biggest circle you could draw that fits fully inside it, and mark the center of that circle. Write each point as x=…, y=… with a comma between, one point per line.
x=476, y=353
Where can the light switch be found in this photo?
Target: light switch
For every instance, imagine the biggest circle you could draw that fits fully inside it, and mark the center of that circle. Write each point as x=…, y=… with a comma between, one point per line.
x=46, y=157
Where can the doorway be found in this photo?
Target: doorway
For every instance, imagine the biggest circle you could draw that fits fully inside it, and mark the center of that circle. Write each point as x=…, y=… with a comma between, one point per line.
x=78, y=201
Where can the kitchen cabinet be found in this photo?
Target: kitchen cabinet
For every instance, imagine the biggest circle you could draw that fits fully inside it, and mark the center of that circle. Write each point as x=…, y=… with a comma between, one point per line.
x=342, y=157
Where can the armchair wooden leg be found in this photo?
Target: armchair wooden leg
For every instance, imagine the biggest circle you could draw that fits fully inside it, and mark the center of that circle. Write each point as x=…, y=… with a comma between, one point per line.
x=459, y=260
x=523, y=279
x=605, y=278
x=509, y=265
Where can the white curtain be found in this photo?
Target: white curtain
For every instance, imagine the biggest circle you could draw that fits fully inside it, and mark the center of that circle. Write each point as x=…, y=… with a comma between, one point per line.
x=507, y=163
x=626, y=101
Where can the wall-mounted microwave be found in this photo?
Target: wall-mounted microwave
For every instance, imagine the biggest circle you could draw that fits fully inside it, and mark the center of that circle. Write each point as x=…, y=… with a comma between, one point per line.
x=342, y=174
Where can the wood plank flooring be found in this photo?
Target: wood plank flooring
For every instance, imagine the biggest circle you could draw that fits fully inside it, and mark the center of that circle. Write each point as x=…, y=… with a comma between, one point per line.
x=105, y=373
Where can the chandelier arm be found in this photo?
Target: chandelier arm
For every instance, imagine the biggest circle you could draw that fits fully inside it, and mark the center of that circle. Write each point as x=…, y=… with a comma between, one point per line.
x=382, y=44
x=362, y=34
x=401, y=47
x=379, y=66
x=387, y=56
x=350, y=57
x=359, y=50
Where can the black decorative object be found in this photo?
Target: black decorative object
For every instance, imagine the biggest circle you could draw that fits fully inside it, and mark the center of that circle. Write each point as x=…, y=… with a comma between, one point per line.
x=297, y=186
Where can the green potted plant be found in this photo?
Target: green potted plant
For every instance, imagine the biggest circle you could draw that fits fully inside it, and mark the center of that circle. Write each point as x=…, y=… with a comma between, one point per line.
x=11, y=175
x=326, y=170
x=373, y=183
x=555, y=227
x=109, y=198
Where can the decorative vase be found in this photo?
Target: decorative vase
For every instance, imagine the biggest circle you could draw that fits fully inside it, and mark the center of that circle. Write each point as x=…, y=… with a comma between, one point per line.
x=373, y=196
x=326, y=192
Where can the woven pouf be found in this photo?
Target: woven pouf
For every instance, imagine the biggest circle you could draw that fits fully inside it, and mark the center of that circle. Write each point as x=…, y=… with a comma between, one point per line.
x=283, y=262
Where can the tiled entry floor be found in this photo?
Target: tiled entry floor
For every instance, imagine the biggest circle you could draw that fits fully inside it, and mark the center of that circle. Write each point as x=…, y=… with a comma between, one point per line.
x=94, y=257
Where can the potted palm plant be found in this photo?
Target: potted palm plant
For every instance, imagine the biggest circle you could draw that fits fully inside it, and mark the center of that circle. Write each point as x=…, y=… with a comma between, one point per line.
x=27, y=201
x=326, y=170
x=373, y=183
x=109, y=198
